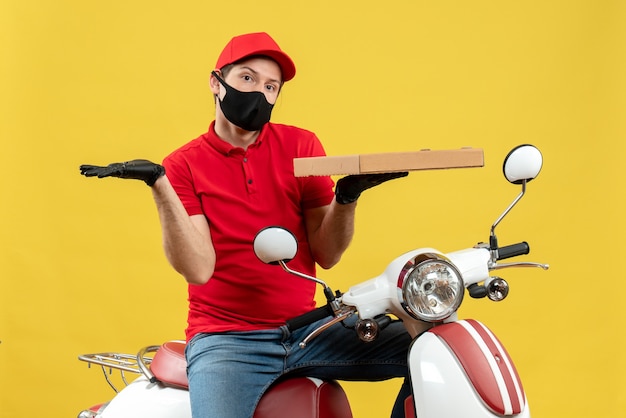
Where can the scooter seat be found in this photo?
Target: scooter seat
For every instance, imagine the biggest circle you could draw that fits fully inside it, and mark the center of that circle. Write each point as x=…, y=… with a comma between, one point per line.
x=169, y=365
x=300, y=397
x=304, y=397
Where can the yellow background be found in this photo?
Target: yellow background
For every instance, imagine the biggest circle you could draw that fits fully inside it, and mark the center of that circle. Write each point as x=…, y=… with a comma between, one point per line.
x=81, y=265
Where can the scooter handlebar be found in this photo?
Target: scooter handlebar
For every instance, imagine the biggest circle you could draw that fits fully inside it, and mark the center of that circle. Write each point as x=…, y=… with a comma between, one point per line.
x=309, y=318
x=513, y=250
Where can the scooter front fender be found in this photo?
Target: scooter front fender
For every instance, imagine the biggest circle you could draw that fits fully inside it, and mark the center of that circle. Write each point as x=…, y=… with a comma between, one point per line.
x=461, y=370
x=142, y=399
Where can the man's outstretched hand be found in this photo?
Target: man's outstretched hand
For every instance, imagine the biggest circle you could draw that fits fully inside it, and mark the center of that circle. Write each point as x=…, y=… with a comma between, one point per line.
x=349, y=188
x=144, y=170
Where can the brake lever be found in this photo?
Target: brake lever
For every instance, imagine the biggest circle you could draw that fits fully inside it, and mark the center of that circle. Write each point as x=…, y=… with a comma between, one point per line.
x=496, y=266
x=341, y=316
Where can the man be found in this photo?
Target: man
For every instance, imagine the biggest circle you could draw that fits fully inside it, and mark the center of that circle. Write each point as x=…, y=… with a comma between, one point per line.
x=219, y=191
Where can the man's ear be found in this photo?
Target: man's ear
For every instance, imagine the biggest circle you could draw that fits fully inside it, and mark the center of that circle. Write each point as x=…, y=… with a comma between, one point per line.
x=214, y=84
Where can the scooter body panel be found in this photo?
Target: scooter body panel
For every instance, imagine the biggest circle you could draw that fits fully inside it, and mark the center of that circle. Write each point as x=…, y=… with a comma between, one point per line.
x=142, y=399
x=458, y=372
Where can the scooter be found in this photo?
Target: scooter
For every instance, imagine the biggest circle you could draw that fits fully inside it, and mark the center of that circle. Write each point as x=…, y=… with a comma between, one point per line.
x=449, y=358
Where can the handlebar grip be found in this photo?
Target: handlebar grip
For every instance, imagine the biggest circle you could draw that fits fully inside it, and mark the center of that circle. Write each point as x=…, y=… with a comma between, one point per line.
x=513, y=250
x=309, y=317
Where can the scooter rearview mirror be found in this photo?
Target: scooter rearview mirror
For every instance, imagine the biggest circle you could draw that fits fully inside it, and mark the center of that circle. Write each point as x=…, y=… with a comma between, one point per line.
x=523, y=163
x=277, y=245
x=274, y=244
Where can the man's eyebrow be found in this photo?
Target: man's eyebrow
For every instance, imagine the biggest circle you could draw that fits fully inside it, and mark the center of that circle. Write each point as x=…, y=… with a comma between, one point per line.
x=245, y=67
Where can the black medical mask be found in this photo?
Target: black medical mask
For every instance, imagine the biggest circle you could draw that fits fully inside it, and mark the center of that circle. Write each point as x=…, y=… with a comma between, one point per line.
x=248, y=110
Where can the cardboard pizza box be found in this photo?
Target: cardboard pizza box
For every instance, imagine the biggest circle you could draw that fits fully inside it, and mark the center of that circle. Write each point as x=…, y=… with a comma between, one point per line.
x=388, y=162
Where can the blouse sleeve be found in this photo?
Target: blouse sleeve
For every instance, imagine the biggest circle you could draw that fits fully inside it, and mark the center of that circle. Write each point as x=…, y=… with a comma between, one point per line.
x=179, y=174
x=316, y=190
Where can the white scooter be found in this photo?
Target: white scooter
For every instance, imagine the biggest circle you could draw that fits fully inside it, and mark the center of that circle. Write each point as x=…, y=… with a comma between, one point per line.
x=458, y=368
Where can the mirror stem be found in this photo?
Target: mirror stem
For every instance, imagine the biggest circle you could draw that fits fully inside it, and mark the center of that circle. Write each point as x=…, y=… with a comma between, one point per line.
x=493, y=239
x=297, y=273
x=328, y=292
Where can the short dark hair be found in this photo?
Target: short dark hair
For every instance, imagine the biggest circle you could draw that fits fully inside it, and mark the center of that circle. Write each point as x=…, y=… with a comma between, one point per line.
x=226, y=69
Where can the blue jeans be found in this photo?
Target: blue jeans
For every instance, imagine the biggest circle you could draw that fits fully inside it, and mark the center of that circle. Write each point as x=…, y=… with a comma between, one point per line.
x=229, y=372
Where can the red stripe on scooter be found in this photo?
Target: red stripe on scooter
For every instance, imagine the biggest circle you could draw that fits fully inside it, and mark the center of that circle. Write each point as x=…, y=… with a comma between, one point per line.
x=505, y=364
x=484, y=374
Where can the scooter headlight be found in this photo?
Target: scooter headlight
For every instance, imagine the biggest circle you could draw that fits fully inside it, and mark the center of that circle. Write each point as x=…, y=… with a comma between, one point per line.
x=430, y=288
